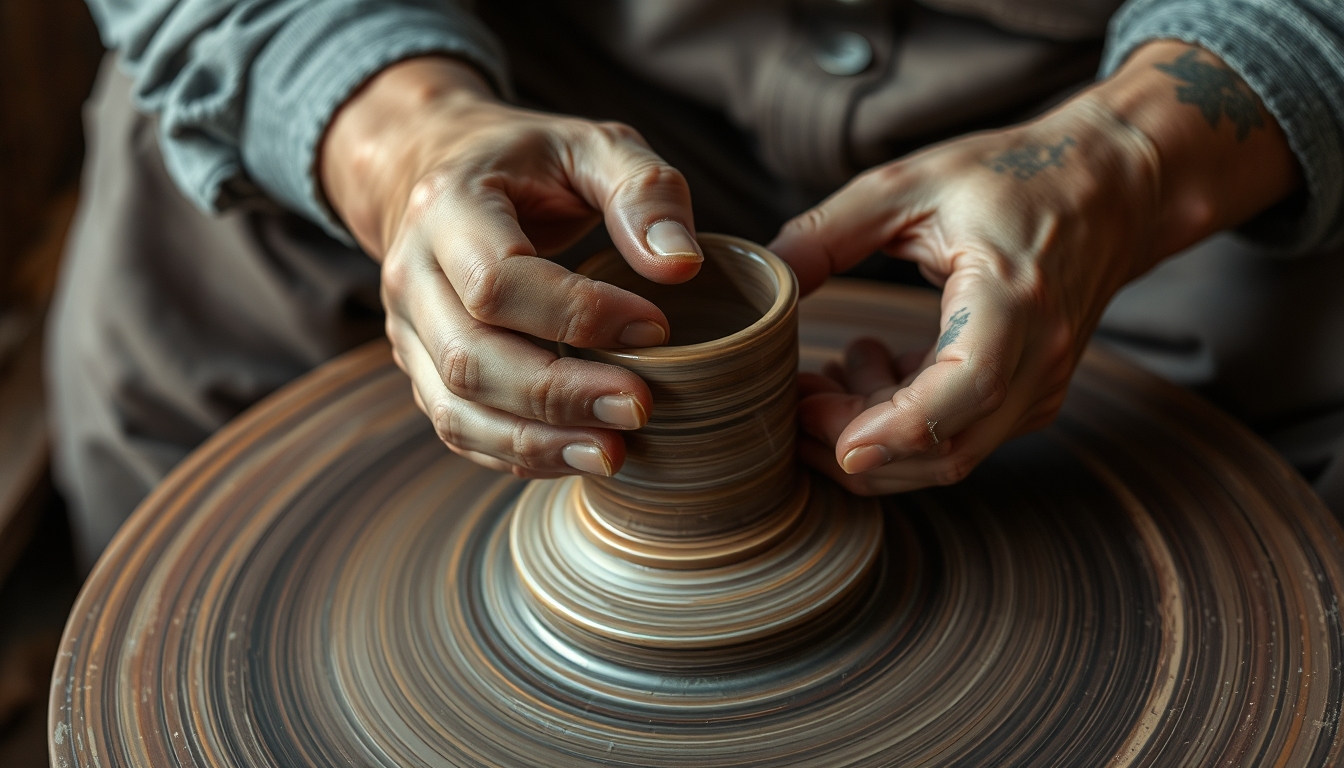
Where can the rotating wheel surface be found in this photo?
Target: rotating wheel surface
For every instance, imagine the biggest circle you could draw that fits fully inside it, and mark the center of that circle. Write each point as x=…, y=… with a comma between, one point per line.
x=1143, y=583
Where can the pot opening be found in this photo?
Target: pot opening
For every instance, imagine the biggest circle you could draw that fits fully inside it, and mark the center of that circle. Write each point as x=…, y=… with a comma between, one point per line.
x=733, y=290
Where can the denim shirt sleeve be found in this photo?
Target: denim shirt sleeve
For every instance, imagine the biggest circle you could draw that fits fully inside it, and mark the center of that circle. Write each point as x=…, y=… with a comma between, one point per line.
x=244, y=89
x=1291, y=53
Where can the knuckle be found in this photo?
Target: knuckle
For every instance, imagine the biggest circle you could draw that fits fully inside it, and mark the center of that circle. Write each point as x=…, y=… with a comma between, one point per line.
x=1035, y=294
x=459, y=368
x=885, y=176
x=616, y=131
x=581, y=323
x=448, y=423
x=1060, y=341
x=991, y=266
x=915, y=435
x=547, y=399
x=396, y=277
x=426, y=193
x=810, y=222
x=662, y=175
x=991, y=381
x=653, y=174
x=808, y=232
x=483, y=292
x=913, y=431
x=527, y=447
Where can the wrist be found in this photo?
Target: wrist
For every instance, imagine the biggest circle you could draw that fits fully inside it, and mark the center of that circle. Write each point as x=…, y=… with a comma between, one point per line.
x=372, y=153
x=1110, y=181
x=1220, y=157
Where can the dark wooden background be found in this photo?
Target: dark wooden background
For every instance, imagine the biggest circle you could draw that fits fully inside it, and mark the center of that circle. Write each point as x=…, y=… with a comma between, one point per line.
x=49, y=51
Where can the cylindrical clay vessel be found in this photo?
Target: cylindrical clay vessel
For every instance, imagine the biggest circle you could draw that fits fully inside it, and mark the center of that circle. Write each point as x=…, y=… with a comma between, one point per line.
x=717, y=454
x=710, y=537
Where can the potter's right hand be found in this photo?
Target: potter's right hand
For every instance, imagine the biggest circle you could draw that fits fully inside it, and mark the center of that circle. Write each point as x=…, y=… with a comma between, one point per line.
x=461, y=197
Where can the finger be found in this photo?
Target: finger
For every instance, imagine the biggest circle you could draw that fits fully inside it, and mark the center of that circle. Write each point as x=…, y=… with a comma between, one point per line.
x=530, y=445
x=502, y=370
x=815, y=383
x=931, y=469
x=490, y=462
x=469, y=232
x=909, y=475
x=951, y=461
x=822, y=458
x=868, y=367
x=825, y=416
x=1033, y=401
x=863, y=217
x=975, y=360
x=645, y=202
x=835, y=372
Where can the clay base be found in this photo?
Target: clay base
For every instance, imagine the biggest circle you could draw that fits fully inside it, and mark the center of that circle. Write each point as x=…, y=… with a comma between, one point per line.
x=584, y=592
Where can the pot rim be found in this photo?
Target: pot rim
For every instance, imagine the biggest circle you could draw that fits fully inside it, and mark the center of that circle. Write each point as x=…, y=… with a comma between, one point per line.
x=786, y=298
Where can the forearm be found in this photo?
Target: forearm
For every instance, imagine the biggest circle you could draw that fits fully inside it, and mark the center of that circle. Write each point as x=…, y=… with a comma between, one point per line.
x=1221, y=158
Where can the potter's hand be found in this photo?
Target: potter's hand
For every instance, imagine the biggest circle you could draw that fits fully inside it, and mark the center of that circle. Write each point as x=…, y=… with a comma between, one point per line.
x=461, y=196
x=1029, y=231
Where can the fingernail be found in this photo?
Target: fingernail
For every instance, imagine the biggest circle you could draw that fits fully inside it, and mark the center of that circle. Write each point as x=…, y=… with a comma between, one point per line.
x=864, y=458
x=587, y=457
x=643, y=333
x=620, y=410
x=670, y=239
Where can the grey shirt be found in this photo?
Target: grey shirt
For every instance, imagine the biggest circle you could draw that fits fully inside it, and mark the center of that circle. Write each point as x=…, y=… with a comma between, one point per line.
x=194, y=283
x=245, y=89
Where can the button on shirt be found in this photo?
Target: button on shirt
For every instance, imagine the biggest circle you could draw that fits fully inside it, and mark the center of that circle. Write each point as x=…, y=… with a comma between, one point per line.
x=843, y=53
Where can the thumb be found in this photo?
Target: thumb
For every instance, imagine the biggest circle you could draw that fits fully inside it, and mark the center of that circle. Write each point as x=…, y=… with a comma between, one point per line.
x=646, y=204
x=858, y=220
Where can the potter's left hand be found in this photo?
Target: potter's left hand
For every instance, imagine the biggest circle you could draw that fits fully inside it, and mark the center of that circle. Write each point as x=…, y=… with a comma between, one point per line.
x=1029, y=231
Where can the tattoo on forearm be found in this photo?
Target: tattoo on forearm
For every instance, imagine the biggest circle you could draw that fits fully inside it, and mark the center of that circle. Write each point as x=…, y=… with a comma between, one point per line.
x=954, y=325
x=1217, y=91
x=1027, y=161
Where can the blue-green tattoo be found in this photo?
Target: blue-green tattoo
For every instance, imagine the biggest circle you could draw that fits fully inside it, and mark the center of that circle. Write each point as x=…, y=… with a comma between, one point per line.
x=1217, y=91
x=1027, y=161
x=954, y=325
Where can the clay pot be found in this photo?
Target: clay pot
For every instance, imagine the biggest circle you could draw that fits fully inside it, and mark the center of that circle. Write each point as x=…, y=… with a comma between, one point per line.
x=710, y=539
x=717, y=455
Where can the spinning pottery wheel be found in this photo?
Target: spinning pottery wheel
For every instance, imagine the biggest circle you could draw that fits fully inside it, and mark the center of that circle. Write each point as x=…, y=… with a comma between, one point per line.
x=322, y=583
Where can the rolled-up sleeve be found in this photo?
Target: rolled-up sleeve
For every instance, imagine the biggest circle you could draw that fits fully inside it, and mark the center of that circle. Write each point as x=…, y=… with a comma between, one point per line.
x=245, y=90
x=1291, y=53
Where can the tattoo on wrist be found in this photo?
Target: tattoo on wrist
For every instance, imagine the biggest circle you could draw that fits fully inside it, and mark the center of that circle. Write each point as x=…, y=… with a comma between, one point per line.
x=954, y=325
x=1029, y=160
x=1217, y=91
